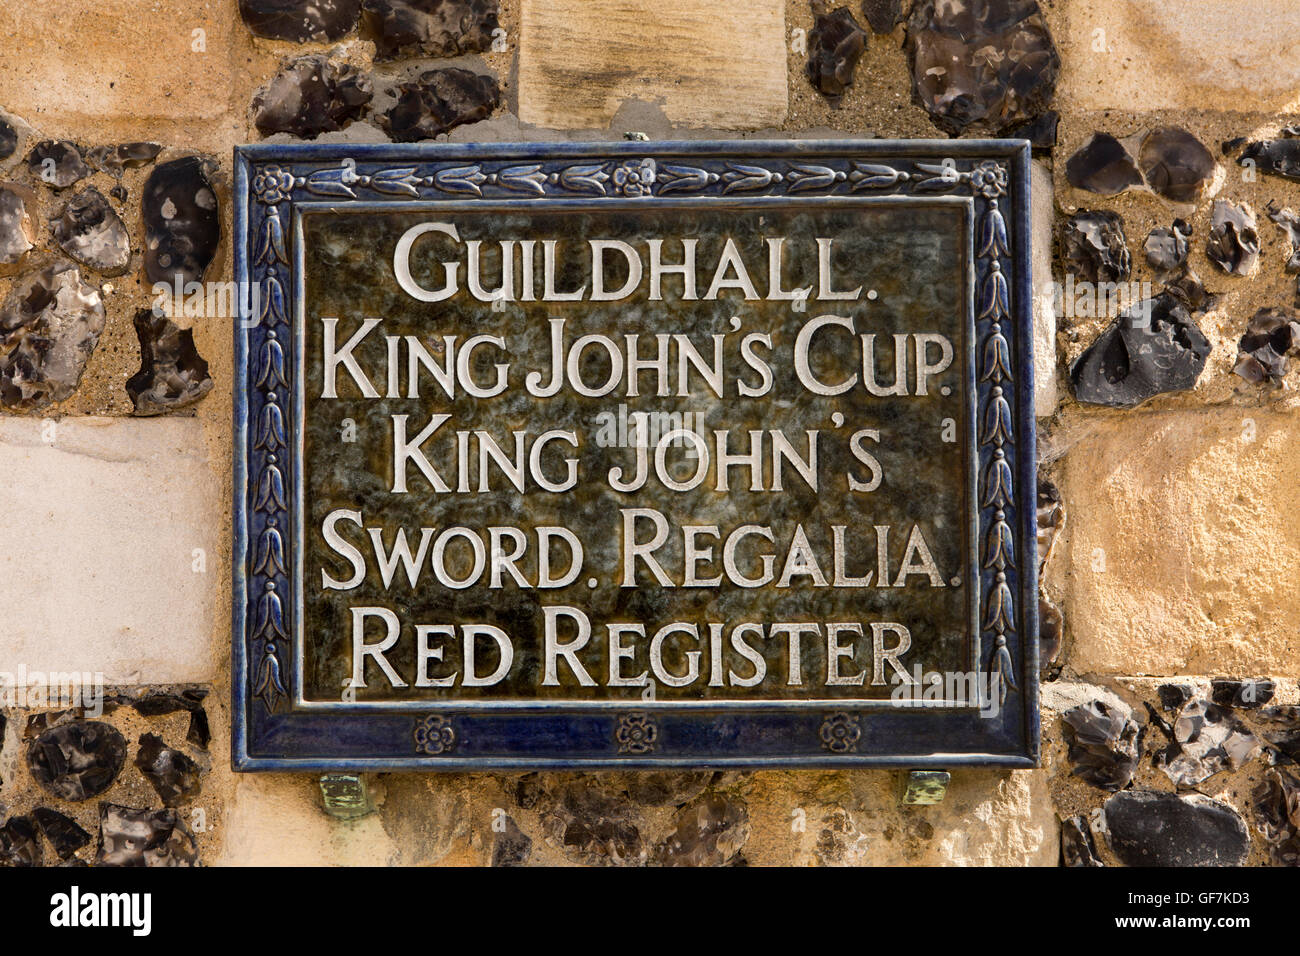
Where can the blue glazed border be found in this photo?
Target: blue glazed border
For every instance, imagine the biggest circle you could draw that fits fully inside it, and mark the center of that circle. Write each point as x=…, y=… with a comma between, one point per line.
x=270, y=734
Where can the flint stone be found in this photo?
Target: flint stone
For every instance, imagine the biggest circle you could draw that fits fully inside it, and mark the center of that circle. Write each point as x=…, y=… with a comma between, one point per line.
x=16, y=233
x=1103, y=165
x=593, y=827
x=1274, y=157
x=19, y=845
x=311, y=95
x=709, y=831
x=1077, y=846
x=1147, y=828
x=8, y=139
x=1207, y=740
x=1175, y=164
x=511, y=846
x=1233, y=243
x=131, y=837
x=172, y=774
x=78, y=760
x=1167, y=248
x=182, y=225
x=172, y=373
x=882, y=15
x=1249, y=694
x=1277, y=804
x=1051, y=631
x=57, y=163
x=1103, y=743
x=1289, y=223
x=90, y=231
x=301, y=21
x=1271, y=335
x=440, y=101
x=1154, y=347
x=1040, y=131
x=1173, y=696
x=429, y=28
x=114, y=159
x=1094, y=248
x=49, y=326
x=63, y=832
x=988, y=65
x=835, y=45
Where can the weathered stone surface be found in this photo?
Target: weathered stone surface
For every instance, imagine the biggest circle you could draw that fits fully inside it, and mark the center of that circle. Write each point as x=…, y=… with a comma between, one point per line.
x=1103, y=165
x=1094, y=247
x=1175, y=164
x=1078, y=848
x=1160, y=573
x=64, y=833
x=182, y=224
x=1207, y=740
x=1167, y=248
x=172, y=373
x=1152, y=348
x=721, y=65
x=1050, y=518
x=665, y=788
x=311, y=95
x=1051, y=633
x=835, y=45
x=90, y=230
x=710, y=831
x=1040, y=241
x=983, y=65
x=57, y=164
x=301, y=20
x=1103, y=744
x=592, y=826
x=16, y=233
x=438, y=101
x=19, y=845
x=49, y=325
x=115, y=159
x=1146, y=828
x=131, y=837
x=510, y=845
x=1233, y=243
x=133, y=538
x=77, y=760
x=433, y=28
x=173, y=774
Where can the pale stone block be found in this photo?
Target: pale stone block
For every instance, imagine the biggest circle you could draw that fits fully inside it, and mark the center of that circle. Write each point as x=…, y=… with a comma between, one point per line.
x=100, y=529
x=1182, y=547
x=1042, y=209
x=719, y=64
x=1180, y=54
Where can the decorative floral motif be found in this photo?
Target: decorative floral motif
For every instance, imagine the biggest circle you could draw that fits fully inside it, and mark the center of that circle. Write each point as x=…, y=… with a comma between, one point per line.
x=635, y=179
x=272, y=185
x=434, y=735
x=636, y=734
x=989, y=180
x=840, y=733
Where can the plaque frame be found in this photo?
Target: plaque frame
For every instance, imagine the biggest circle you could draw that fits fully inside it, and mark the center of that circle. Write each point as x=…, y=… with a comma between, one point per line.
x=273, y=729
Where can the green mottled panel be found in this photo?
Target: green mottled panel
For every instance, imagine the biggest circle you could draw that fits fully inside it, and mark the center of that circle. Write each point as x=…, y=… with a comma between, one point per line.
x=914, y=256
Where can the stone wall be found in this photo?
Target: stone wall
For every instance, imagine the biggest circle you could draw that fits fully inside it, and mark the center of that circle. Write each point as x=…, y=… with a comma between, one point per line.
x=1168, y=440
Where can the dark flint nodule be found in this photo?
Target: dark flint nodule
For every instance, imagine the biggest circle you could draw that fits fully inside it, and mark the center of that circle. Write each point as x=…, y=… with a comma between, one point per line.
x=154, y=705
x=511, y=846
x=708, y=831
x=1276, y=157
x=56, y=163
x=1271, y=335
x=1077, y=846
x=1050, y=517
x=1280, y=726
x=1175, y=164
x=1207, y=740
x=1051, y=630
x=311, y=95
x=1277, y=802
x=1102, y=165
x=301, y=20
x=1233, y=244
x=63, y=832
x=171, y=772
x=182, y=225
x=1249, y=693
x=594, y=827
x=835, y=45
x=429, y=28
x=1094, y=248
x=1147, y=828
x=882, y=15
x=15, y=226
x=1167, y=248
x=1190, y=291
x=19, y=845
x=8, y=139
x=77, y=760
x=1103, y=744
x=131, y=837
x=49, y=325
x=1289, y=223
x=114, y=159
x=1041, y=132
x=1153, y=347
x=90, y=231
x=1173, y=696
x=984, y=64
x=172, y=373
x=438, y=101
